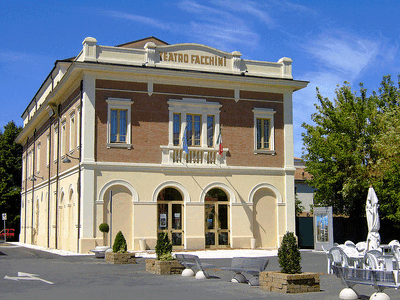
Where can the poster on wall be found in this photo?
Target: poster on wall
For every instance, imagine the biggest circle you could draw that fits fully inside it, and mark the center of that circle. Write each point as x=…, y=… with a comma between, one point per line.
x=177, y=220
x=163, y=220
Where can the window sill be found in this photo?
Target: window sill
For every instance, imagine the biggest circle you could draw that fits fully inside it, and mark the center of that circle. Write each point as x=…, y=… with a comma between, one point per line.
x=268, y=152
x=119, y=145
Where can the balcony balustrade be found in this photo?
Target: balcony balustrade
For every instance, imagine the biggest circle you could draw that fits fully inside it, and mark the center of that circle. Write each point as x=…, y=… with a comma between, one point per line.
x=174, y=155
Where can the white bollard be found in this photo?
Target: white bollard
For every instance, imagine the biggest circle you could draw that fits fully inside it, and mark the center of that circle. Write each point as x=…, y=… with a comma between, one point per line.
x=187, y=273
x=253, y=243
x=200, y=275
x=348, y=294
x=379, y=296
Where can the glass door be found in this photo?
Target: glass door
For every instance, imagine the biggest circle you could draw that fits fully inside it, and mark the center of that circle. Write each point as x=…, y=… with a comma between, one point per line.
x=216, y=219
x=170, y=216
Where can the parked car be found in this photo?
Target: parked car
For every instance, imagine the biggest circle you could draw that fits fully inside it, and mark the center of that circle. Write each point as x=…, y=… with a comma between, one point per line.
x=9, y=233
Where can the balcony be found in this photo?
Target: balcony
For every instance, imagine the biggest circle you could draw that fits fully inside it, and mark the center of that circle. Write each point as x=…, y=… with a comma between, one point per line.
x=174, y=155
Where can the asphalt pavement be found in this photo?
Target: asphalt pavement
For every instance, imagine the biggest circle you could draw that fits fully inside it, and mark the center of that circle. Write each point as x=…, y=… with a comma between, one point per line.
x=32, y=274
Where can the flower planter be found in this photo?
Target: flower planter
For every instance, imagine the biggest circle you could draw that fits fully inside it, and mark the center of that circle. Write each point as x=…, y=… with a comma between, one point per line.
x=120, y=258
x=160, y=267
x=289, y=283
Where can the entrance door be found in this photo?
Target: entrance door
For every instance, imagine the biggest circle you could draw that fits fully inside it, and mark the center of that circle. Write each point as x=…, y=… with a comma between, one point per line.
x=216, y=219
x=170, y=216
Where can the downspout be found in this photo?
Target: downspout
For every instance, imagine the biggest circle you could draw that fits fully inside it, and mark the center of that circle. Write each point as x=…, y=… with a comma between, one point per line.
x=33, y=181
x=26, y=186
x=49, y=187
x=79, y=170
x=58, y=166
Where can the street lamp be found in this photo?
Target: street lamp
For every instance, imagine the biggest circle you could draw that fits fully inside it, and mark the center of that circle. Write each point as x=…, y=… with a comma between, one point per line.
x=66, y=159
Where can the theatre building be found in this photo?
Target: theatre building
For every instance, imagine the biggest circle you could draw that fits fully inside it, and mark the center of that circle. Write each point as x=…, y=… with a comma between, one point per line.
x=149, y=138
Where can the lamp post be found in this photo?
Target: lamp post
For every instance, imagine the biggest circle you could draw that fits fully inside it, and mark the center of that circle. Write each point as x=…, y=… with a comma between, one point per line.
x=4, y=217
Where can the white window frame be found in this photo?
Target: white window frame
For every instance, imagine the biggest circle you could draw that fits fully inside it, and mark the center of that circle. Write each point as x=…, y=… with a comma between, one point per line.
x=72, y=130
x=38, y=157
x=48, y=151
x=29, y=165
x=78, y=127
x=55, y=143
x=23, y=168
x=63, y=137
x=265, y=113
x=196, y=107
x=124, y=104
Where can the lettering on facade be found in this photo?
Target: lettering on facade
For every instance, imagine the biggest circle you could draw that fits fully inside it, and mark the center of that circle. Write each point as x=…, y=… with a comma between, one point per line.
x=211, y=60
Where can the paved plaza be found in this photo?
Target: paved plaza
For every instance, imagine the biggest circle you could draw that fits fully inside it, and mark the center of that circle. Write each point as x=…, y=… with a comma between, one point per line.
x=85, y=277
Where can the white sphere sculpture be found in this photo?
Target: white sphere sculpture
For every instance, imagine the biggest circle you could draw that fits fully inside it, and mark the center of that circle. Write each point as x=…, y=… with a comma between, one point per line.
x=379, y=296
x=200, y=275
x=348, y=294
x=187, y=273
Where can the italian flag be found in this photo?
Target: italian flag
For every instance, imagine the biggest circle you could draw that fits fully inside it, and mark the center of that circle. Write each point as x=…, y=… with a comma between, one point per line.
x=219, y=143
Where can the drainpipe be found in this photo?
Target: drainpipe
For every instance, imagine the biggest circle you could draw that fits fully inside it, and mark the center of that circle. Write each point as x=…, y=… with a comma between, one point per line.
x=79, y=171
x=26, y=186
x=58, y=166
x=49, y=187
x=33, y=181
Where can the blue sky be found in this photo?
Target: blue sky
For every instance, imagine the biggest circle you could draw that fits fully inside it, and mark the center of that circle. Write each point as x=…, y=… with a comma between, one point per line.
x=329, y=41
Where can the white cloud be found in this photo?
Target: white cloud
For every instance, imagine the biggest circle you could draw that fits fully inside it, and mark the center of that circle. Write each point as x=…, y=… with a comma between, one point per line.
x=144, y=20
x=343, y=52
x=13, y=56
x=249, y=7
x=304, y=100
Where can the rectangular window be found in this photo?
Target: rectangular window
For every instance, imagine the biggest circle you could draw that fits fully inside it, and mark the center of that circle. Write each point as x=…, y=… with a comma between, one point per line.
x=55, y=143
x=38, y=158
x=63, y=138
x=210, y=131
x=264, y=131
x=118, y=126
x=119, y=123
x=78, y=127
x=48, y=150
x=263, y=134
x=177, y=129
x=29, y=164
x=193, y=130
x=71, y=133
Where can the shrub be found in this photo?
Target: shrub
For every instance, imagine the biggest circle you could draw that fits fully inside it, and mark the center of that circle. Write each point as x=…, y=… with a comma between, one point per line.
x=119, y=243
x=163, y=246
x=103, y=227
x=289, y=255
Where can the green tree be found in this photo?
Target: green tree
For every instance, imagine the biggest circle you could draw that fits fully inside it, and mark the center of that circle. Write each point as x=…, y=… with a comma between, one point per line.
x=289, y=257
x=10, y=174
x=354, y=143
x=338, y=150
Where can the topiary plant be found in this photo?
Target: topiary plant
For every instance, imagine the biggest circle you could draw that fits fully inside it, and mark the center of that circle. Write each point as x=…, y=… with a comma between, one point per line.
x=119, y=243
x=163, y=247
x=103, y=227
x=289, y=255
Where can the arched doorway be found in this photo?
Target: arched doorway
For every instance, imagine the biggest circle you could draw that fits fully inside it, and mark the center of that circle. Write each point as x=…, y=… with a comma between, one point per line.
x=117, y=213
x=216, y=208
x=170, y=215
x=265, y=219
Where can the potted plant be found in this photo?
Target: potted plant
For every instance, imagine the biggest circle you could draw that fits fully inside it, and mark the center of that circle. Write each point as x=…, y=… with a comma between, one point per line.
x=119, y=253
x=100, y=251
x=165, y=264
x=290, y=279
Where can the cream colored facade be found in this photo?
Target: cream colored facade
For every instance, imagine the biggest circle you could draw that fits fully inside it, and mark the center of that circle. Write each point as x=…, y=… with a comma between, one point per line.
x=77, y=173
